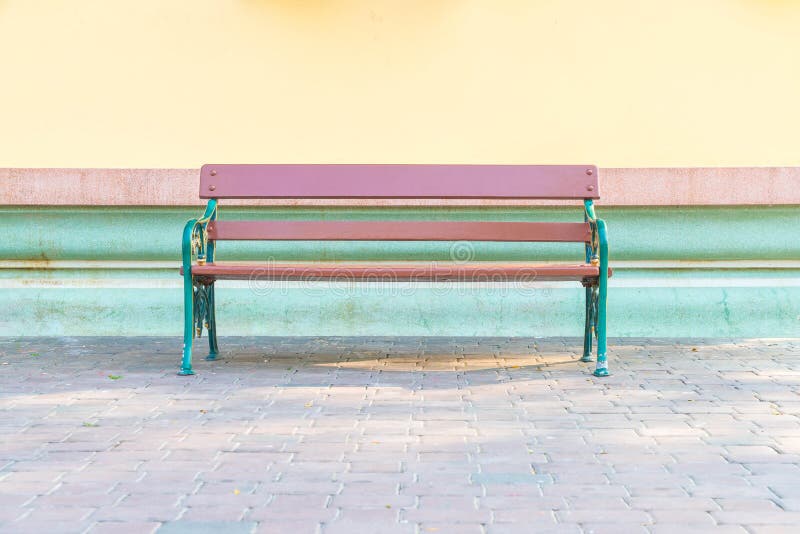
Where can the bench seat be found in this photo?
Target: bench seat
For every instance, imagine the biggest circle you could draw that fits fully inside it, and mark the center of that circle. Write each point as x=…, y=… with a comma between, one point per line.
x=398, y=271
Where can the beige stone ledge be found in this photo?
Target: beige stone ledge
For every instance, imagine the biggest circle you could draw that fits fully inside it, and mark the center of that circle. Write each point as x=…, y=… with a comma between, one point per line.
x=682, y=186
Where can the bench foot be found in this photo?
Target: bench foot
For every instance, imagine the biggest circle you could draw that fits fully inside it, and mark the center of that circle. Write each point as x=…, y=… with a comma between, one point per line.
x=602, y=366
x=186, y=360
x=211, y=356
x=587, y=358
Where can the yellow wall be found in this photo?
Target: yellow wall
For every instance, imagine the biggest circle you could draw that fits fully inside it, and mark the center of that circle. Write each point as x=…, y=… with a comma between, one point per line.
x=175, y=83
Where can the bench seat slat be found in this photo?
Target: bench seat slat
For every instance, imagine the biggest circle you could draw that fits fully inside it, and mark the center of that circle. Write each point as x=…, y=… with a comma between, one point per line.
x=397, y=271
x=399, y=181
x=399, y=231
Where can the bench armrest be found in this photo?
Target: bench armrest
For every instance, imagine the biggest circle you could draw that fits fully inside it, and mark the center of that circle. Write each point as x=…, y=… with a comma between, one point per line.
x=195, y=238
x=597, y=251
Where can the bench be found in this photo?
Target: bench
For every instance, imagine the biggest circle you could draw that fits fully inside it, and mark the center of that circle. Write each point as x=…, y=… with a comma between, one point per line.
x=200, y=269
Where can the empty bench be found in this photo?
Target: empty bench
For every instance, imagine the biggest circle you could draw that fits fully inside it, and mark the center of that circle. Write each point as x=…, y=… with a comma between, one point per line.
x=201, y=269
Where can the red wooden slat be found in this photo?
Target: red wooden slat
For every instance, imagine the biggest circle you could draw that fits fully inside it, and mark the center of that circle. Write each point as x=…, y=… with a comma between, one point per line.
x=399, y=231
x=390, y=272
x=399, y=181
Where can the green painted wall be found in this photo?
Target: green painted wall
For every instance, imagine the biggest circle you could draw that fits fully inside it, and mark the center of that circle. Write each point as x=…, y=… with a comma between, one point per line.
x=144, y=298
x=724, y=233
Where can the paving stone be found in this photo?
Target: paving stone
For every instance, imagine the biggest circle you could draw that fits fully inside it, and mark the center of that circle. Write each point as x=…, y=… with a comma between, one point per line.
x=367, y=526
x=773, y=529
x=671, y=528
x=210, y=527
x=673, y=503
x=119, y=527
x=750, y=517
x=215, y=513
x=280, y=513
x=59, y=513
x=616, y=517
x=527, y=528
x=614, y=528
x=682, y=517
x=36, y=526
x=455, y=528
x=283, y=526
x=527, y=516
x=372, y=500
x=447, y=515
x=136, y=513
x=733, y=504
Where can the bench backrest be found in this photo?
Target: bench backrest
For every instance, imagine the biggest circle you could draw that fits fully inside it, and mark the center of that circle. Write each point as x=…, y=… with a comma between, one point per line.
x=400, y=181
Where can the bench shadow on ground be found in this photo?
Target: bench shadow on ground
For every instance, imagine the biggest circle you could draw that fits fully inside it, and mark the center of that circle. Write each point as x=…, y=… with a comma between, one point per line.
x=447, y=362
x=409, y=361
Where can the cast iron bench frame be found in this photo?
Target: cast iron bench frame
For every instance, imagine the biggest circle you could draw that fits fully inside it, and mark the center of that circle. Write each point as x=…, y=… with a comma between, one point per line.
x=578, y=182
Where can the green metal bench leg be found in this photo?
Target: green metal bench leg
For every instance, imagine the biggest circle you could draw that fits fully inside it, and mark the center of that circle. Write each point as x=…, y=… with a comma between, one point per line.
x=587, y=333
x=213, y=349
x=602, y=357
x=602, y=365
x=188, y=325
x=195, y=242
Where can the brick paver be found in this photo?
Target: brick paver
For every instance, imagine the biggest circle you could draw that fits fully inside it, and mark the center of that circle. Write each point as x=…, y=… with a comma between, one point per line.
x=324, y=435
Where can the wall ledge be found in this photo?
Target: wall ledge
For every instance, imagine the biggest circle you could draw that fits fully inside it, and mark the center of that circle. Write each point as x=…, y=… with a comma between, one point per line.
x=675, y=186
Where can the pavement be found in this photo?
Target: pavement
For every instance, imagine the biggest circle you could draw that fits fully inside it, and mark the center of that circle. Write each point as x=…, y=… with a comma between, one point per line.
x=408, y=435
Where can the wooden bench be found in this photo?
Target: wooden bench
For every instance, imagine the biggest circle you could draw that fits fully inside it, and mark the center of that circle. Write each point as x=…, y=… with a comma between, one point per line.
x=200, y=268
